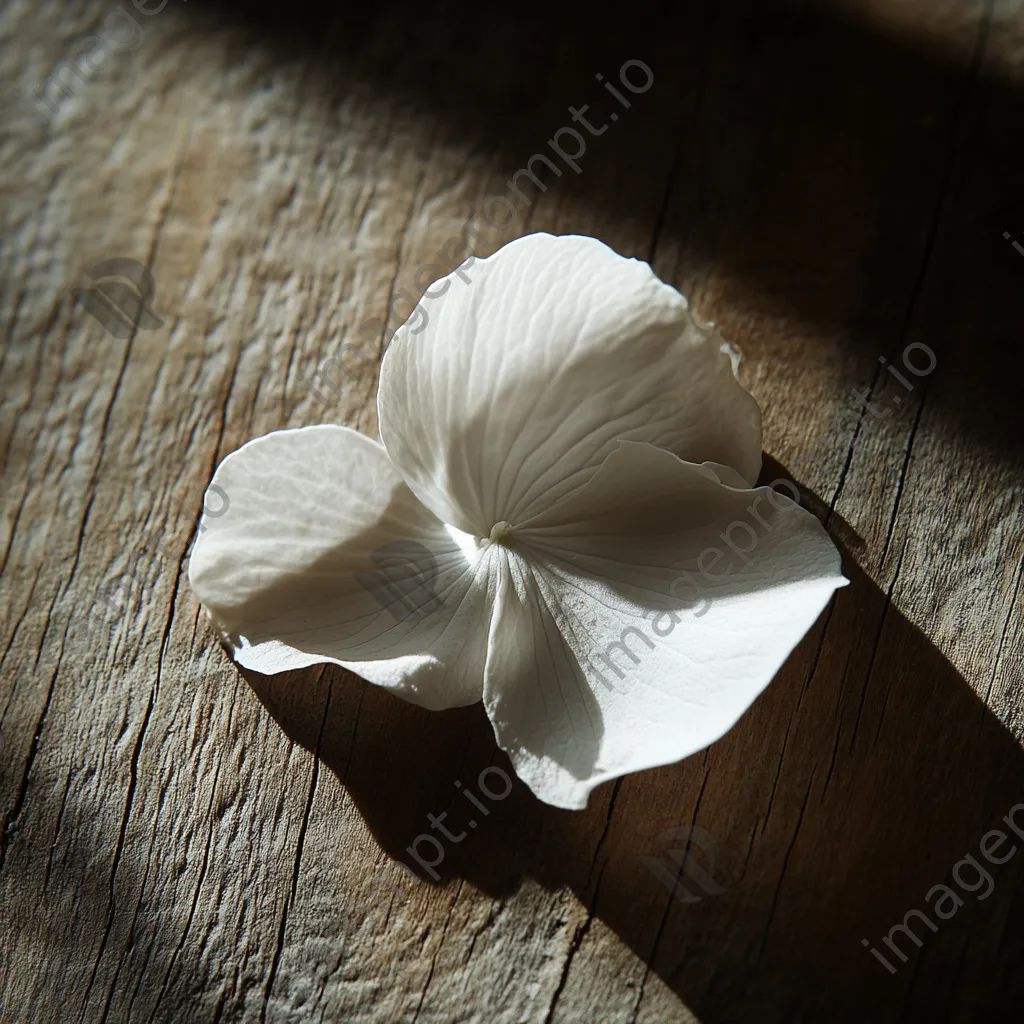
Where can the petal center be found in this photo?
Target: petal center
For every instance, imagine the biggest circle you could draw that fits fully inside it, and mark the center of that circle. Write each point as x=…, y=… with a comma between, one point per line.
x=500, y=532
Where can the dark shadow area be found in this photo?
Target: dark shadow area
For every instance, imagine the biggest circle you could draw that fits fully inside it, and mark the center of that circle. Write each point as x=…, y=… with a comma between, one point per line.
x=855, y=176
x=863, y=775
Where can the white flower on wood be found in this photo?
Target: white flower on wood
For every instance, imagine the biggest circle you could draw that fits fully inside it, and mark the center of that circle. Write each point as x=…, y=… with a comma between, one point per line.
x=563, y=447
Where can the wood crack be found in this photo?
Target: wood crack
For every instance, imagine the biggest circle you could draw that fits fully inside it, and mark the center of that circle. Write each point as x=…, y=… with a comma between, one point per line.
x=782, y=873
x=440, y=946
x=578, y=935
x=874, y=650
x=11, y=818
x=133, y=774
x=1002, y=636
x=649, y=959
x=194, y=903
x=56, y=832
x=300, y=843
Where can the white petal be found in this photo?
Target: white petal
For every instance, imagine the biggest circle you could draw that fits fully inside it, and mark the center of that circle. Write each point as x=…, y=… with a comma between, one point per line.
x=324, y=555
x=606, y=658
x=518, y=384
x=726, y=474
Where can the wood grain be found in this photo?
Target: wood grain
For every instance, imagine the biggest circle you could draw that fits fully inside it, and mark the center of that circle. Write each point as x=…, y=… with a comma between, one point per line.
x=830, y=183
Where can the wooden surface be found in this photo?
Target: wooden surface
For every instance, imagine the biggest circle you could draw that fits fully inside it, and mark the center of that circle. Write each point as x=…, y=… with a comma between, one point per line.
x=829, y=183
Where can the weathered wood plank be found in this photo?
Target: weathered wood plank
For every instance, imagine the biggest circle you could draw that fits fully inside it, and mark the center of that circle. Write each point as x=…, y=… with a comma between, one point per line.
x=181, y=843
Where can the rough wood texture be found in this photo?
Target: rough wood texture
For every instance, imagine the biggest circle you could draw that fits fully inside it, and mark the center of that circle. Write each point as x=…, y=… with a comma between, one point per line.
x=828, y=183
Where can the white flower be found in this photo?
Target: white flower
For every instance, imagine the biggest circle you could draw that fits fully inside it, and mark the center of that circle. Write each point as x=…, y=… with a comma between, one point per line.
x=573, y=459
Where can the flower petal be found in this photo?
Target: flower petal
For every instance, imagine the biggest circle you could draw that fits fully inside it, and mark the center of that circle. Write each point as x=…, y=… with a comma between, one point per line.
x=323, y=554
x=637, y=621
x=507, y=393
